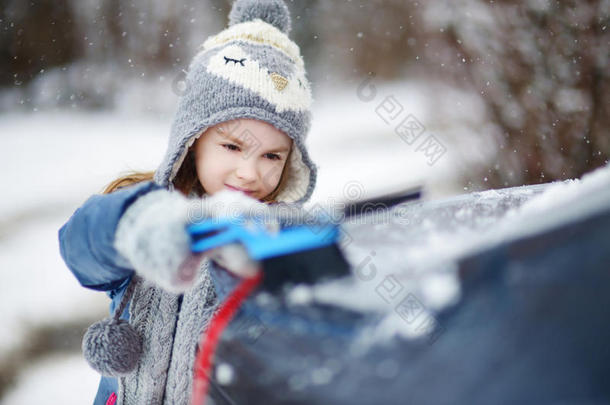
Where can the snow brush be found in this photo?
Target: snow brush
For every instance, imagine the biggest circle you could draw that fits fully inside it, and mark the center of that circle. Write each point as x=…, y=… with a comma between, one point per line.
x=304, y=252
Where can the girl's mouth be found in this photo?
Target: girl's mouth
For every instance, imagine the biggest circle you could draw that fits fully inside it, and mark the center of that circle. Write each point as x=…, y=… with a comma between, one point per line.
x=243, y=190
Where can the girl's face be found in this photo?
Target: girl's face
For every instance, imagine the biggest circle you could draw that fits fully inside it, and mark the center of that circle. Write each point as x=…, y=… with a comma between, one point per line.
x=244, y=154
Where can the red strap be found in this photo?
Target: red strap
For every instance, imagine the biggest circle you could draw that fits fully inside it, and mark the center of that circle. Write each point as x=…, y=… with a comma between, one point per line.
x=209, y=340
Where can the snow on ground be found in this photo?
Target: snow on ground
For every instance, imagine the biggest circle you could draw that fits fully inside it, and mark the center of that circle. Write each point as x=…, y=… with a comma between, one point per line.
x=64, y=379
x=52, y=161
x=37, y=289
x=57, y=159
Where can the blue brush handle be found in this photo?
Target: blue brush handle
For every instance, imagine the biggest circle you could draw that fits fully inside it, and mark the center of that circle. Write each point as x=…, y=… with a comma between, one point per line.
x=258, y=241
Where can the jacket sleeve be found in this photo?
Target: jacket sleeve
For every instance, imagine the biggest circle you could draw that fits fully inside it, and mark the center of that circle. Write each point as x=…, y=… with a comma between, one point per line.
x=86, y=240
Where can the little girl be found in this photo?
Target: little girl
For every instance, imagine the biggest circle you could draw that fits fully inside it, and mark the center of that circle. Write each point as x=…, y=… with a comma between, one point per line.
x=237, y=143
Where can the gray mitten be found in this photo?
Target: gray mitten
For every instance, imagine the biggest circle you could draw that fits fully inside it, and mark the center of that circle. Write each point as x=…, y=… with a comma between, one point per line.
x=229, y=204
x=152, y=236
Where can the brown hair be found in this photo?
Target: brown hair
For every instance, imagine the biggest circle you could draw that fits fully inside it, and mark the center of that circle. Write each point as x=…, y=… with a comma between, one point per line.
x=271, y=198
x=128, y=180
x=186, y=180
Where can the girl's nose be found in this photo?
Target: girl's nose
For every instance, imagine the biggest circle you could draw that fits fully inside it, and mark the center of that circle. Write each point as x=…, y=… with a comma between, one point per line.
x=246, y=169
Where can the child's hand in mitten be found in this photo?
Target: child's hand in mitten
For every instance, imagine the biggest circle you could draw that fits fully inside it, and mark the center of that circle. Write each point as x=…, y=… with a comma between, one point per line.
x=152, y=236
x=228, y=205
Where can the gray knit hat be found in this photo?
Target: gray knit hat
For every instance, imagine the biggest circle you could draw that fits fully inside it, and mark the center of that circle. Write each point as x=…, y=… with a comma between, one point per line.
x=249, y=70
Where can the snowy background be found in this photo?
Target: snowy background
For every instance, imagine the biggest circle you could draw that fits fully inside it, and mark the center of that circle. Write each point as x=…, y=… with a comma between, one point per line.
x=87, y=92
x=57, y=159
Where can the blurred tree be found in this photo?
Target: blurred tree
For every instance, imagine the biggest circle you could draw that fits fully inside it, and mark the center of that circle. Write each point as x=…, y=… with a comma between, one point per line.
x=98, y=44
x=304, y=20
x=35, y=35
x=542, y=69
x=149, y=35
x=540, y=66
x=368, y=35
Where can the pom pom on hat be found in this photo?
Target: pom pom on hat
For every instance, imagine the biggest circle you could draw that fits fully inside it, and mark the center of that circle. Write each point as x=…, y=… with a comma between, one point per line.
x=274, y=12
x=112, y=347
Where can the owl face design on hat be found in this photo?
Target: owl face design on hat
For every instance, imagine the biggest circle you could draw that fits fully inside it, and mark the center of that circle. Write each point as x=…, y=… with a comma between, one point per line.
x=274, y=79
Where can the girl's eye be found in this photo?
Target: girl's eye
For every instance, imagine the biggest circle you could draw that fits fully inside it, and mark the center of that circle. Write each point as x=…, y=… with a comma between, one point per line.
x=230, y=146
x=273, y=156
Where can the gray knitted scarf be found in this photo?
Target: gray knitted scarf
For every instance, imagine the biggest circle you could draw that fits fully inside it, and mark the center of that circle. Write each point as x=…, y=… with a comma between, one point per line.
x=170, y=331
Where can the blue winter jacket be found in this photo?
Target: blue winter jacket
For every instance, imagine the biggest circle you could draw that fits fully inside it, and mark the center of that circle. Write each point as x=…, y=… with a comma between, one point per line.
x=86, y=245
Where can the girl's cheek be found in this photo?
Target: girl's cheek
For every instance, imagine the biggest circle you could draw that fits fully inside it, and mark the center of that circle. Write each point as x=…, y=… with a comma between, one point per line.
x=272, y=173
x=227, y=161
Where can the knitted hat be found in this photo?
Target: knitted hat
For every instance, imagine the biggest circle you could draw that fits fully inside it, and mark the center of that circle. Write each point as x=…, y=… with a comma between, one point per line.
x=249, y=70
